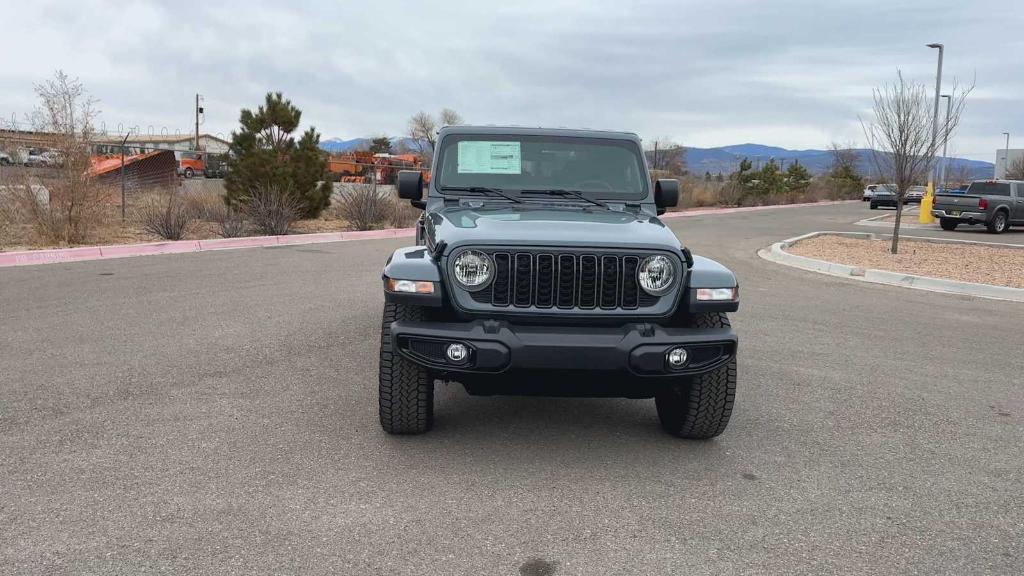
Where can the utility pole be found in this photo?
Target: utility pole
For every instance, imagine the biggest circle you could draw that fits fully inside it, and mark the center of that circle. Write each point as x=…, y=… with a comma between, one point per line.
x=925, y=216
x=199, y=110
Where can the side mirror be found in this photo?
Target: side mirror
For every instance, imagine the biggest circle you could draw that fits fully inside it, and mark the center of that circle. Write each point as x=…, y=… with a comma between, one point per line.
x=666, y=194
x=410, y=185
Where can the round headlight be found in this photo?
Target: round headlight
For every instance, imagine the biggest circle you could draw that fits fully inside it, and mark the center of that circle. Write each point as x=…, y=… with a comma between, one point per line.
x=656, y=275
x=473, y=269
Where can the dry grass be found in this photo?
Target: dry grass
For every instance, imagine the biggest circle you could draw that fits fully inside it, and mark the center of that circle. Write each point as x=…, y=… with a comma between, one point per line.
x=962, y=262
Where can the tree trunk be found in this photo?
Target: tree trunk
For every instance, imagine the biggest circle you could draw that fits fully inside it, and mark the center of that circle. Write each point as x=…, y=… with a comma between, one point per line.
x=896, y=227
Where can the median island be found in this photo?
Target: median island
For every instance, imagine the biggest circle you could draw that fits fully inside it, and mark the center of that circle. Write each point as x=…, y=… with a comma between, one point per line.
x=959, y=261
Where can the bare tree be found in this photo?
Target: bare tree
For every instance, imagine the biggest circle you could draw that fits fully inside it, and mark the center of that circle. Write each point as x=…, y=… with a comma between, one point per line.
x=423, y=129
x=667, y=156
x=423, y=132
x=845, y=158
x=900, y=137
x=74, y=201
x=450, y=117
x=1016, y=169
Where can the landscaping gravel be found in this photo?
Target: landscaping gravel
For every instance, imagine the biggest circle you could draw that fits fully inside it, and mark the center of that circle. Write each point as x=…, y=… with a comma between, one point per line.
x=962, y=262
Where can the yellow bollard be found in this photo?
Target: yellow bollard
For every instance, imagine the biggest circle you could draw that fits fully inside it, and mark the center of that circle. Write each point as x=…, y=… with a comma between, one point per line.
x=925, y=216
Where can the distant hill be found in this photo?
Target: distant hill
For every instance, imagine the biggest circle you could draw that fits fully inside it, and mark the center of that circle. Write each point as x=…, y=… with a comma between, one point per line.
x=336, y=145
x=726, y=159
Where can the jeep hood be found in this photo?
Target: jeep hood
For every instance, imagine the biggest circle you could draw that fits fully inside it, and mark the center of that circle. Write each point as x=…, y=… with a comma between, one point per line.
x=546, y=225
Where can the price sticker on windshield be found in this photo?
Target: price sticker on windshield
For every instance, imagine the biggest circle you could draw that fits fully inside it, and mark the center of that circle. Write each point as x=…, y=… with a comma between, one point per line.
x=485, y=157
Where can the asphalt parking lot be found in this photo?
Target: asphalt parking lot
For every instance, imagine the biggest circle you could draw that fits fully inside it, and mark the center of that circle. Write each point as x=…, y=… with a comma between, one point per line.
x=216, y=413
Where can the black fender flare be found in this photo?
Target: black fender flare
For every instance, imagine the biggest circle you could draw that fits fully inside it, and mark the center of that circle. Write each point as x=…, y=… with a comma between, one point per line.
x=707, y=273
x=413, y=263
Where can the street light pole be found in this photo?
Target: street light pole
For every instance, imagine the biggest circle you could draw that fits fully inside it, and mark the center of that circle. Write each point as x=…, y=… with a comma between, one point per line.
x=945, y=140
x=925, y=216
x=1006, y=155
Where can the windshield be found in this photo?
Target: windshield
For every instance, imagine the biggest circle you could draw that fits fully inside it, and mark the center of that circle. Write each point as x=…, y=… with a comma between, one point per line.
x=596, y=167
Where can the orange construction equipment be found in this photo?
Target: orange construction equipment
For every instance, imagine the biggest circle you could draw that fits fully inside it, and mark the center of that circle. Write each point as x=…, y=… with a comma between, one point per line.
x=363, y=167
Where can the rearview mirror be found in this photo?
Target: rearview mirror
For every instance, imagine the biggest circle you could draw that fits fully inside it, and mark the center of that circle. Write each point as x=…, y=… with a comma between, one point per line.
x=666, y=194
x=410, y=185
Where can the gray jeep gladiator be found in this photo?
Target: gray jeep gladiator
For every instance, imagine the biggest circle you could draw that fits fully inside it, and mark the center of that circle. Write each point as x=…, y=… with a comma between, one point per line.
x=997, y=204
x=541, y=268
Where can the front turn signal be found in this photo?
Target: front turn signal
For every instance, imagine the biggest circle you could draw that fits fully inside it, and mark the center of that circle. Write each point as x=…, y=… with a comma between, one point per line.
x=408, y=286
x=716, y=294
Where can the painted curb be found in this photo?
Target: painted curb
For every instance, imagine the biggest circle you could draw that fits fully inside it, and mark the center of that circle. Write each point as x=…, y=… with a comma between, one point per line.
x=706, y=211
x=64, y=255
x=777, y=253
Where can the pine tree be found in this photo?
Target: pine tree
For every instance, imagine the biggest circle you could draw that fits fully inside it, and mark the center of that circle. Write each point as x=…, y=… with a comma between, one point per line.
x=797, y=177
x=265, y=155
x=380, y=145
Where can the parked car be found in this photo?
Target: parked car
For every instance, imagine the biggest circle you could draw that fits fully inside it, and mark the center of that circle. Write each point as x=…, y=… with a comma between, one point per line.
x=884, y=195
x=869, y=190
x=915, y=194
x=998, y=204
x=540, y=267
x=5, y=159
x=43, y=159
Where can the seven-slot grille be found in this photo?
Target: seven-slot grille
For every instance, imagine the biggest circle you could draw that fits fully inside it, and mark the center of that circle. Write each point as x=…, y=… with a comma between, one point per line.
x=564, y=281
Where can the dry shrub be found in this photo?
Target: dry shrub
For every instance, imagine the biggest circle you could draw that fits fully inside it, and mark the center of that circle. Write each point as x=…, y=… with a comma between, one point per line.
x=204, y=205
x=364, y=206
x=272, y=210
x=232, y=223
x=65, y=210
x=165, y=214
x=403, y=214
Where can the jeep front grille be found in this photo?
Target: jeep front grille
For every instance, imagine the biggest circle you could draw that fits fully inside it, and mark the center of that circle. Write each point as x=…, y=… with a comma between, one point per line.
x=553, y=280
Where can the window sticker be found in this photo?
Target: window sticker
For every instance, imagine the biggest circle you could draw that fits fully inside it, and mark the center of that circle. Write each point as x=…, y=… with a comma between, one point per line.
x=483, y=157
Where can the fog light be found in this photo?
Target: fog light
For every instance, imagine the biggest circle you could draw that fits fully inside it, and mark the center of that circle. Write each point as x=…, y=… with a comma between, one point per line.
x=457, y=352
x=677, y=357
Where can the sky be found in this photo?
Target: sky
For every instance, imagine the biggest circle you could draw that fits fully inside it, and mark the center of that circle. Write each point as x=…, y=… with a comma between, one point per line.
x=793, y=74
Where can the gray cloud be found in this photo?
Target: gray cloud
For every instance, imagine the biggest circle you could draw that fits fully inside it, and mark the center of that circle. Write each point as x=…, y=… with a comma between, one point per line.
x=794, y=74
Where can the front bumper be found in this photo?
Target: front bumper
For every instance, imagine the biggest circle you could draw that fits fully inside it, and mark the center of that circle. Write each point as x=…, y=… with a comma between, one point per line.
x=971, y=217
x=496, y=347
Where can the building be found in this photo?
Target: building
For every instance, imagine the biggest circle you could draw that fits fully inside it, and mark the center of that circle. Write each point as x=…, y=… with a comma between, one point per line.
x=1003, y=163
x=138, y=143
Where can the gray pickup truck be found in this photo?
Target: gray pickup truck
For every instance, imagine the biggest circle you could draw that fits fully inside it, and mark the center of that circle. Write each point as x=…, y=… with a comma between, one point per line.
x=997, y=204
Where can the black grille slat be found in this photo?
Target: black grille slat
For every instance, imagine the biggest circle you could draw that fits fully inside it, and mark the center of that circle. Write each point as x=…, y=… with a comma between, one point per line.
x=630, y=286
x=523, y=280
x=502, y=289
x=545, y=281
x=588, y=281
x=609, y=282
x=567, y=280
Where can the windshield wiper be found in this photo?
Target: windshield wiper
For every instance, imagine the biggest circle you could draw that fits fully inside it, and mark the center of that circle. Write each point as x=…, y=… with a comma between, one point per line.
x=564, y=192
x=482, y=190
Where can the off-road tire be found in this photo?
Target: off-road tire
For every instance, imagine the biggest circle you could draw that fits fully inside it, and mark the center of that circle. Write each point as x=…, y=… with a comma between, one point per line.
x=406, y=393
x=948, y=223
x=999, y=222
x=699, y=407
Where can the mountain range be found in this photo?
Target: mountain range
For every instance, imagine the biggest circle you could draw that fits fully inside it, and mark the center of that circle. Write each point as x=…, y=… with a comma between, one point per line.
x=726, y=159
